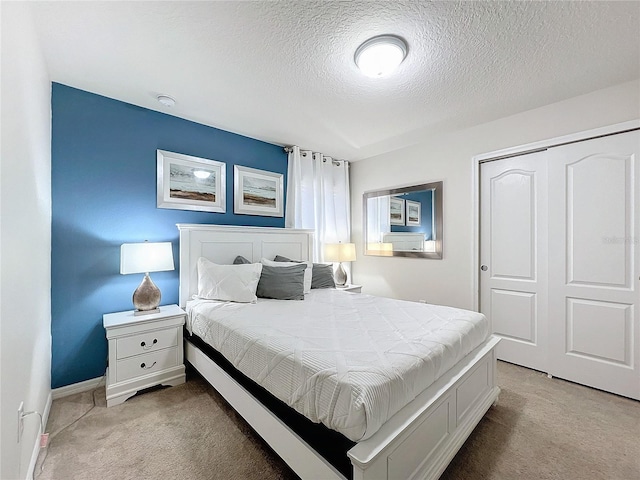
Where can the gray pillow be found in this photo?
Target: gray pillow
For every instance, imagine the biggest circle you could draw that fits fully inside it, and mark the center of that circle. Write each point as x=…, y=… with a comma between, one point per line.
x=321, y=274
x=240, y=260
x=280, y=258
x=282, y=283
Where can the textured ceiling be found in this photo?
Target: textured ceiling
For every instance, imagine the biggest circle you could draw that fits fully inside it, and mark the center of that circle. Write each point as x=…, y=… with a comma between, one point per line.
x=283, y=71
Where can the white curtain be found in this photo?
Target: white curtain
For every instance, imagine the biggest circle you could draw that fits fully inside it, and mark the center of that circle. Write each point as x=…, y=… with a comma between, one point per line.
x=318, y=198
x=378, y=221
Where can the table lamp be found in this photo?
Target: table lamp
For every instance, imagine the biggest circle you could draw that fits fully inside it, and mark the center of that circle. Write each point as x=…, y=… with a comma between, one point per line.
x=144, y=258
x=340, y=252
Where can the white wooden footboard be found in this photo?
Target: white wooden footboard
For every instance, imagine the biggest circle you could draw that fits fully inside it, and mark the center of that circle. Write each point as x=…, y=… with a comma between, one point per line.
x=420, y=440
x=416, y=443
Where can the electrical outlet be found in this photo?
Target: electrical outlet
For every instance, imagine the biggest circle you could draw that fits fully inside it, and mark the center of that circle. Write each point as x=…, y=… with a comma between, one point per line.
x=20, y=421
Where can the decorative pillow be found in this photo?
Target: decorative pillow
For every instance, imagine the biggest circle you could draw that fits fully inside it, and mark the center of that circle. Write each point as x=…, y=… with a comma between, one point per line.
x=240, y=260
x=307, y=271
x=321, y=274
x=280, y=258
x=230, y=283
x=282, y=283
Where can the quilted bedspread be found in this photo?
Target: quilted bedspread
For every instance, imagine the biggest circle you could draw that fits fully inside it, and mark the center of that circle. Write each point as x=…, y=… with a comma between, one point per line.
x=349, y=361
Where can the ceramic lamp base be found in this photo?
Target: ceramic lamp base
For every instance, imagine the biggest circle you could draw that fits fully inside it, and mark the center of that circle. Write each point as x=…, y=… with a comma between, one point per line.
x=340, y=276
x=147, y=297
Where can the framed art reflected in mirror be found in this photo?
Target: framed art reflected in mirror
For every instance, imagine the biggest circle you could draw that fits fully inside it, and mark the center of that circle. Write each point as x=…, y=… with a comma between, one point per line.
x=404, y=221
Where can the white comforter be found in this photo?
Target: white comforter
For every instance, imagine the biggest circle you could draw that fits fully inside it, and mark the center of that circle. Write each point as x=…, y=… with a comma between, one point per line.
x=350, y=361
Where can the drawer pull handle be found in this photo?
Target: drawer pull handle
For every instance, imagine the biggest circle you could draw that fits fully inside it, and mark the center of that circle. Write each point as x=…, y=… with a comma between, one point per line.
x=147, y=347
x=144, y=365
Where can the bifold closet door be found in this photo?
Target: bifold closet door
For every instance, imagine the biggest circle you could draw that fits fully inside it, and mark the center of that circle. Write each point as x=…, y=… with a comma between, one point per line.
x=513, y=256
x=594, y=263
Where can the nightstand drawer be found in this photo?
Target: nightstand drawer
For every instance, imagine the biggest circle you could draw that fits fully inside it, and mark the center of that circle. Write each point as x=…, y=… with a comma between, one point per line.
x=145, y=364
x=146, y=342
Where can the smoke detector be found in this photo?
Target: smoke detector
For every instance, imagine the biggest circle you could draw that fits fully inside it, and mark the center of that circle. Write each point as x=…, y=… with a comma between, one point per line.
x=166, y=100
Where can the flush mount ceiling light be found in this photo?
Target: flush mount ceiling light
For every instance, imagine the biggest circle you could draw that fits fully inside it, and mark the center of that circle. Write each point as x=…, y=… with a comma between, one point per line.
x=202, y=174
x=166, y=100
x=379, y=56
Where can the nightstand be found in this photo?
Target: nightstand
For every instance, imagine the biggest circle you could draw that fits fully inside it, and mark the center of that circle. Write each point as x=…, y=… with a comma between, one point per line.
x=144, y=351
x=351, y=288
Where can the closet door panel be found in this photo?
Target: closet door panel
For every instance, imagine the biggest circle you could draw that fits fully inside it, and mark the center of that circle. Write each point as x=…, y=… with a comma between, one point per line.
x=598, y=216
x=513, y=254
x=513, y=211
x=612, y=322
x=514, y=315
x=594, y=263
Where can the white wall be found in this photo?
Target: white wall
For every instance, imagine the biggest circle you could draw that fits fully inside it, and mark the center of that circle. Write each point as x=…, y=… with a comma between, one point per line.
x=448, y=158
x=25, y=236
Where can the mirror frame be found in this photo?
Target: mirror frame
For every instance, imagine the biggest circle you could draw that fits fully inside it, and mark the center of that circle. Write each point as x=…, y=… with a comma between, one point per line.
x=437, y=188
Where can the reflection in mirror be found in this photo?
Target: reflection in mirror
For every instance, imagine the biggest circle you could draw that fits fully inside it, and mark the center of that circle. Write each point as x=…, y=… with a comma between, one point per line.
x=404, y=222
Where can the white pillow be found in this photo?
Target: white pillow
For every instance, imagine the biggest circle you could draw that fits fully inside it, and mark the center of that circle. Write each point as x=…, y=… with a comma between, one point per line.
x=230, y=283
x=307, y=271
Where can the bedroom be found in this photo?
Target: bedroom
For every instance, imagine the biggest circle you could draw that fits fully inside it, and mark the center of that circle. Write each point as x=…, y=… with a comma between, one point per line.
x=33, y=327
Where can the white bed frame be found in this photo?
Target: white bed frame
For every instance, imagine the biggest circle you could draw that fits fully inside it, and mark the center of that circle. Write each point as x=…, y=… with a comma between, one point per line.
x=418, y=442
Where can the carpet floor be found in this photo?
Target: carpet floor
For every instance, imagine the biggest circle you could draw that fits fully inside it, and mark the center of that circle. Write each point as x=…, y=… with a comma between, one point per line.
x=541, y=428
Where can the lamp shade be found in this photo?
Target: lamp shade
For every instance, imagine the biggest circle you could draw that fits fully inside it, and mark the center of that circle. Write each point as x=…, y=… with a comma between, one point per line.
x=382, y=249
x=146, y=257
x=429, y=245
x=340, y=252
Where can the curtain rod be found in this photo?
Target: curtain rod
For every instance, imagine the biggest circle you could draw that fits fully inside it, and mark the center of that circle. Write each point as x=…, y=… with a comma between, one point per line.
x=304, y=154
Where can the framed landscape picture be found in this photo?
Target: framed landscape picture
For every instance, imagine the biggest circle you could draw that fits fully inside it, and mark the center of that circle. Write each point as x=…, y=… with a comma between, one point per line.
x=257, y=192
x=190, y=183
x=396, y=211
x=414, y=213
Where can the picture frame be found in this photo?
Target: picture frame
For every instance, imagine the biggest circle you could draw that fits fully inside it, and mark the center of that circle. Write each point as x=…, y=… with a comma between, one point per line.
x=396, y=211
x=414, y=213
x=190, y=183
x=257, y=192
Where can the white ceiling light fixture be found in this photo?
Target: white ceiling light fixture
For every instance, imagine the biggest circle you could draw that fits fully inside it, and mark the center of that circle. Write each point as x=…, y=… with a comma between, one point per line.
x=202, y=174
x=379, y=56
x=166, y=100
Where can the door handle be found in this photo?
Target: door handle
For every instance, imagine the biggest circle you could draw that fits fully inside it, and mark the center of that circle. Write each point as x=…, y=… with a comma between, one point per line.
x=484, y=268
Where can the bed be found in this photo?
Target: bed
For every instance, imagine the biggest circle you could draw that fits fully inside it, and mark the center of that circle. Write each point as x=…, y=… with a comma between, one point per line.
x=405, y=241
x=417, y=440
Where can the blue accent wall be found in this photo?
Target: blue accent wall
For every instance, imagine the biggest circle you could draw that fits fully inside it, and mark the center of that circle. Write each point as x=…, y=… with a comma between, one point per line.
x=103, y=177
x=425, y=198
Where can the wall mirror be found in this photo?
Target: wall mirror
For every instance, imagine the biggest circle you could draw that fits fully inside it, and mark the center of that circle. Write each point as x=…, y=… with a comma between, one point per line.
x=404, y=221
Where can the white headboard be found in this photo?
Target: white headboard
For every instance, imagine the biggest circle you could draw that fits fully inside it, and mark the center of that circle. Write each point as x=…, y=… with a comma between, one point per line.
x=222, y=244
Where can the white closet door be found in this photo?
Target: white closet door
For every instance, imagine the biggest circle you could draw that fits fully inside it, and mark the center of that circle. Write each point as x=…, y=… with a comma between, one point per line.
x=513, y=256
x=594, y=264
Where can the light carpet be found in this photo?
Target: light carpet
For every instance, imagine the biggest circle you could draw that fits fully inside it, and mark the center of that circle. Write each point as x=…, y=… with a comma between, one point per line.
x=541, y=428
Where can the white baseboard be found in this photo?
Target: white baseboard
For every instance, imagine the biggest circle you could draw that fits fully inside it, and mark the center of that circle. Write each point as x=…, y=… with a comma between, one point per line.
x=79, y=387
x=36, y=446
